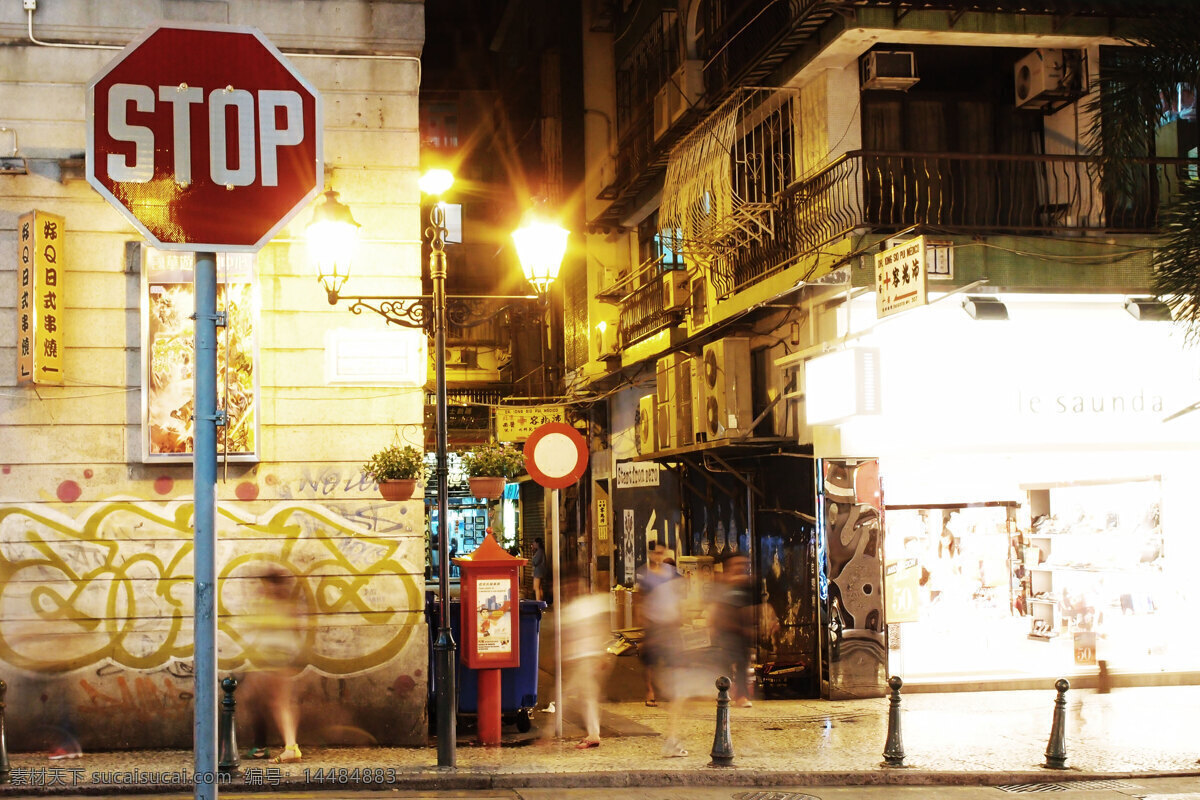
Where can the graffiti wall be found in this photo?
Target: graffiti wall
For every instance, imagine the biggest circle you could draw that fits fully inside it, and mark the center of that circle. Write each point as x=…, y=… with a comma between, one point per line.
x=96, y=609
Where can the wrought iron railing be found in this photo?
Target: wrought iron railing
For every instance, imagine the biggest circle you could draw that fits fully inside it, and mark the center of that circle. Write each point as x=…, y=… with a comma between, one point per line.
x=993, y=193
x=644, y=314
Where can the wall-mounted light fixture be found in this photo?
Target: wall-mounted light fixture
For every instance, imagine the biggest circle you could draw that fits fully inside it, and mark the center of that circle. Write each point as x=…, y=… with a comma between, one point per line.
x=1148, y=309
x=985, y=308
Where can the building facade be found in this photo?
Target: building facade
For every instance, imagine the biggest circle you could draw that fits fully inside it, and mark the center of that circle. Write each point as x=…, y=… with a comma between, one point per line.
x=95, y=495
x=859, y=296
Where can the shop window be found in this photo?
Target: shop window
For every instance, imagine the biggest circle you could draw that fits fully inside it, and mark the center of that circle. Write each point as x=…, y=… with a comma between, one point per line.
x=168, y=355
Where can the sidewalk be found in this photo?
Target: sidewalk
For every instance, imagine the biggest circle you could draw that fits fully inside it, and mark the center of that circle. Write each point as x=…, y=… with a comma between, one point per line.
x=953, y=738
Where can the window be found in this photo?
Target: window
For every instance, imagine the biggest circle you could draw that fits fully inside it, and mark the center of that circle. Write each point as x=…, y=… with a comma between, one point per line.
x=168, y=353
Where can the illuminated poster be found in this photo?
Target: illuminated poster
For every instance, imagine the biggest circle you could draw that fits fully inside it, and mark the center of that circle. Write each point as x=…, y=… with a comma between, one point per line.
x=39, y=298
x=169, y=343
x=493, y=616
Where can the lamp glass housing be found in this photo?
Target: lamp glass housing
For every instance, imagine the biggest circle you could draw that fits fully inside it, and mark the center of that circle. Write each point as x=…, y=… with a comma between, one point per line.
x=436, y=182
x=540, y=247
x=332, y=235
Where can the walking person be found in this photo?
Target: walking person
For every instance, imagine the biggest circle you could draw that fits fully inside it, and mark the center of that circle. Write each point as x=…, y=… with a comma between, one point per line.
x=660, y=618
x=585, y=636
x=541, y=568
x=275, y=643
x=731, y=622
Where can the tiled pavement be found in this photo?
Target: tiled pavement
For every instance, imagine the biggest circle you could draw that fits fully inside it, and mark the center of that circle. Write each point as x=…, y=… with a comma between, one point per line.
x=953, y=738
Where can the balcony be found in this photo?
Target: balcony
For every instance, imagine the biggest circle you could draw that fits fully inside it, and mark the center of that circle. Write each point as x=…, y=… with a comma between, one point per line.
x=958, y=192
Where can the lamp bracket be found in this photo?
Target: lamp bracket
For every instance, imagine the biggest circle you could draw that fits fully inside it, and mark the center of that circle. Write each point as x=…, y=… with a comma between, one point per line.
x=462, y=311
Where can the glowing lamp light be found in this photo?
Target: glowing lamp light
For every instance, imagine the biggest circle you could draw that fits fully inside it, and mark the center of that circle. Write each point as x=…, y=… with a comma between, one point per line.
x=436, y=182
x=332, y=235
x=541, y=247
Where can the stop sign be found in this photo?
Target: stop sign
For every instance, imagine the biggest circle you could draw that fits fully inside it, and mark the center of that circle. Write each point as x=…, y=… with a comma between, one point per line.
x=204, y=137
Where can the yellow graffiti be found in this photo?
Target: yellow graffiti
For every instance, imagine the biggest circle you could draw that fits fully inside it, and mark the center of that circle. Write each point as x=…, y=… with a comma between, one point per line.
x=115, y=586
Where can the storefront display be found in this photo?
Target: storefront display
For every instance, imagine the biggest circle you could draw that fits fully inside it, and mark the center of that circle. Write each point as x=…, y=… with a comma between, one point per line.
x=1039, y=473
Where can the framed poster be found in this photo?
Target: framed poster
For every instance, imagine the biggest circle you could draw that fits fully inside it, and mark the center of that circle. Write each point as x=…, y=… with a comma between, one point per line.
x=168, y=357
x=493, y=604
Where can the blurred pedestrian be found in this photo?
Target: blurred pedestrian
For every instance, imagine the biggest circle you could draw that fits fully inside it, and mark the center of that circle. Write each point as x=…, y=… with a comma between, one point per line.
x=275, y=643
x=731, y=622
x=660, y=618
x=585, y=633
x=541, y=568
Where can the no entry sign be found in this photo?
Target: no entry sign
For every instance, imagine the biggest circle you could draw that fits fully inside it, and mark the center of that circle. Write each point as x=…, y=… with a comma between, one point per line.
x=204, y=137
x=556, y=455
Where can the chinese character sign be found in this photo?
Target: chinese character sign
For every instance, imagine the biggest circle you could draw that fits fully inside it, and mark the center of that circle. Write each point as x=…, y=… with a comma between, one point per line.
x=39, y=298
x=517, y=423
x=900, y=278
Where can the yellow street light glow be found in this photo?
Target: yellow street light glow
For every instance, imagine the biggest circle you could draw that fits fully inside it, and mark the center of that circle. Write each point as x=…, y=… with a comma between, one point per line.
x=436, y=182
x=540, y=247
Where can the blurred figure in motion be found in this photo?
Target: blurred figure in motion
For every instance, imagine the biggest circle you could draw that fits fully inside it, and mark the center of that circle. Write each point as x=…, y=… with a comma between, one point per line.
x=275, y=643
x=659, y=611
x=585, y=632
x=731, y=622
x=541, y=568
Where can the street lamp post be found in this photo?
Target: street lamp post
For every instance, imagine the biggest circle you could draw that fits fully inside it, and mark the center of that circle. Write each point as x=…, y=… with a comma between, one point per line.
x=443, y=646
x=540, y=248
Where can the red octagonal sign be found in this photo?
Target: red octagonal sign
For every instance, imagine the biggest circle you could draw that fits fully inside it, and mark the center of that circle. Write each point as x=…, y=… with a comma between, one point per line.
x=204, y=137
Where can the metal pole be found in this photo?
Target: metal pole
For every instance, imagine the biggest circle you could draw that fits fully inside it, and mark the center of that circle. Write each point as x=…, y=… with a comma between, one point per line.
x=558, y=682
x=443, y=647
x=204, y=479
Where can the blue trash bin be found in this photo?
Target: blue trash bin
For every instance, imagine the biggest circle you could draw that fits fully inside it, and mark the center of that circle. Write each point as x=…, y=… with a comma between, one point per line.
x=518, y=685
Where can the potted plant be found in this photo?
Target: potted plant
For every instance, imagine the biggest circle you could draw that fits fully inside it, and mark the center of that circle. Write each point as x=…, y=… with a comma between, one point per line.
x=489, y=466
x=397, y=469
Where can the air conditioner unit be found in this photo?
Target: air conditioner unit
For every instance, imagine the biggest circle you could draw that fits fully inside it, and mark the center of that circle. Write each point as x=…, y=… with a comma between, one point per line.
x=677, y=95
x=604, y=336
x=645, y=426
x=725, y=390
x=1048, y=75
x=675, y=289
x=673, y=373
x=889, y=69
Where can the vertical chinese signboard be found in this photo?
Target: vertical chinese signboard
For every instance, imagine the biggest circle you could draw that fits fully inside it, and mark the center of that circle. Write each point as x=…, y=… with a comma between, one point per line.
x=39, y=298
x=900, y=278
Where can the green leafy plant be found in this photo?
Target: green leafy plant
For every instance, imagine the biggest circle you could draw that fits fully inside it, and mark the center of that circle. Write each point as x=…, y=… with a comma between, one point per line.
x=396, y=463
x=493, y=460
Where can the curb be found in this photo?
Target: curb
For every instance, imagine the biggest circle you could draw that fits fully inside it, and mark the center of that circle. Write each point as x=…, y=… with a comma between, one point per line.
x=434, y=778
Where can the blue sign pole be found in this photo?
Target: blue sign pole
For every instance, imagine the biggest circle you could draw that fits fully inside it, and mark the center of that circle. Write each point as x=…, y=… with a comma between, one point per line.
x=204, y=480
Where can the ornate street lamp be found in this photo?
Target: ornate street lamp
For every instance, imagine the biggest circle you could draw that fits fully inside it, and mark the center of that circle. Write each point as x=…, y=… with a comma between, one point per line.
x=332, y=235
x=540, y=247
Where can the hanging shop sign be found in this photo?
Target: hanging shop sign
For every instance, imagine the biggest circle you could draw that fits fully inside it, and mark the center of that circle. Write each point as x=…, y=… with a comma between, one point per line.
x=602, y=519
x=39, y=299
x=517, y=423
x=900, y=278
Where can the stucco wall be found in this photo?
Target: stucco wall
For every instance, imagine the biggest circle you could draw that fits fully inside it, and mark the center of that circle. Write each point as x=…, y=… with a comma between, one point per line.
x=95, y=545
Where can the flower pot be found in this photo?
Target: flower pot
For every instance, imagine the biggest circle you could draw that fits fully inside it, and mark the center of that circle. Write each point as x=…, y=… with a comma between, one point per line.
x=487, y=488
x=401, y=489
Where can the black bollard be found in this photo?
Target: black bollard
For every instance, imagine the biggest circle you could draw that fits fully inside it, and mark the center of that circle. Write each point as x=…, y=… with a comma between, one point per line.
x=893, y=751
x=722, y=749
x=228, y=761
x=5, y=769
x=1056, y=749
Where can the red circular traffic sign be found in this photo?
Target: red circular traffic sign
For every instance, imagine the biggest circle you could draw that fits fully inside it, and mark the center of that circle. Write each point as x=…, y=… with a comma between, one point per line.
x=204, y=137
x=556, y=455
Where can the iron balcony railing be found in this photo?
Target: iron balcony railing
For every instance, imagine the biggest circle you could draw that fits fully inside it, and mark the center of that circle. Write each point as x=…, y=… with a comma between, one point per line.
x=957, y=192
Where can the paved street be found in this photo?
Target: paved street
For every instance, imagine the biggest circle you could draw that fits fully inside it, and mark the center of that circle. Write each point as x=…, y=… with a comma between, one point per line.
x=1151, y=789
x=950, y=739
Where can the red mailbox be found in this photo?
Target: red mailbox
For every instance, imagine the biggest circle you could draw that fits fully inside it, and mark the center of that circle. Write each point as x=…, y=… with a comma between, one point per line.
x=491, y=619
